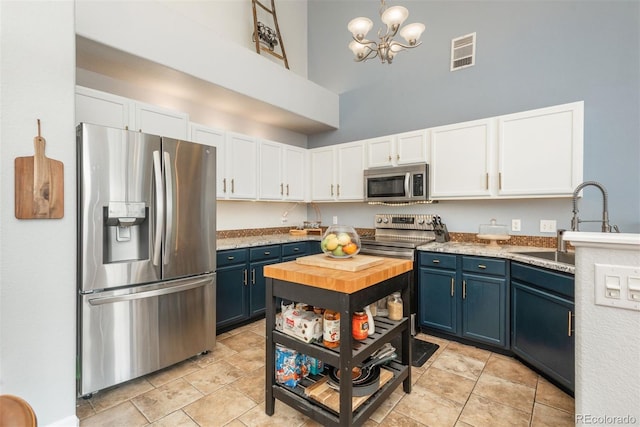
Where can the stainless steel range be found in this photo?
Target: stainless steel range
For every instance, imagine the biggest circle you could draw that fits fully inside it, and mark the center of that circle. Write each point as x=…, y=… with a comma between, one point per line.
x=398, y=236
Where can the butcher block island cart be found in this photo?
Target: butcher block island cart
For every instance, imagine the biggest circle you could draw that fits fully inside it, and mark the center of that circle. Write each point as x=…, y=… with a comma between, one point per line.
x=344, y=292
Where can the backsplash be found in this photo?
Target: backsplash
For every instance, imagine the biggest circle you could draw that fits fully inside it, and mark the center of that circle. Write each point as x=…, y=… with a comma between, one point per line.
x=536, y=241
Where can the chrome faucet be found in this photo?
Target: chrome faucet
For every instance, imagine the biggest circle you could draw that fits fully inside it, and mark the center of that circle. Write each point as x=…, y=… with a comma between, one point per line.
x=575, y=221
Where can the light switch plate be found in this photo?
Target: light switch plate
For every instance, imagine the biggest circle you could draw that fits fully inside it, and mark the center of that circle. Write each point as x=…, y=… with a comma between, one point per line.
x=548, y=226
x=617, y=286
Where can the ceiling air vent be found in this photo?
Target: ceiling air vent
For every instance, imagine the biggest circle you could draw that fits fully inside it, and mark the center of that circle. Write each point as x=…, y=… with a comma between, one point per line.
x=463, y=52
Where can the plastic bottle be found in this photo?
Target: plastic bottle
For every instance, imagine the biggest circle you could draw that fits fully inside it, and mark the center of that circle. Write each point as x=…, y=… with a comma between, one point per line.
x=372, y=326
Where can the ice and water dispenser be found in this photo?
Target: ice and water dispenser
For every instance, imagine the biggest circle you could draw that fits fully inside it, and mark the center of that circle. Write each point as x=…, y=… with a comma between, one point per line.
x=126, y=232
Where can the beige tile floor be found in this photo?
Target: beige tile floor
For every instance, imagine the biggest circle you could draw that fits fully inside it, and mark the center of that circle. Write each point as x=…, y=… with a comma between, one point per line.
x=458, y=386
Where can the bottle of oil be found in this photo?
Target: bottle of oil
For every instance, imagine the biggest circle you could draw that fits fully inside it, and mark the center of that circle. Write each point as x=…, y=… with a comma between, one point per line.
x=331, y=329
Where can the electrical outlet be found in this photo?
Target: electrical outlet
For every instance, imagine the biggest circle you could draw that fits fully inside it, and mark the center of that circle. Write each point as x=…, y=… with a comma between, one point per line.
x=516, y=225
x=335, y=219
x=548, y=226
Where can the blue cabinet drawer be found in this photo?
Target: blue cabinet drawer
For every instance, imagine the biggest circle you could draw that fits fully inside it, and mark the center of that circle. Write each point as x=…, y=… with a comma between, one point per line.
x=264, y=252
x=562, y=284
x=231, y=257
x=482, y=265
x=294, y=248
x=432, y=259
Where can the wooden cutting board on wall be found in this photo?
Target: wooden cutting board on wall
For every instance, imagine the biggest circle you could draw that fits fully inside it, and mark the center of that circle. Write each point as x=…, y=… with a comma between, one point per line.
x=39, y=184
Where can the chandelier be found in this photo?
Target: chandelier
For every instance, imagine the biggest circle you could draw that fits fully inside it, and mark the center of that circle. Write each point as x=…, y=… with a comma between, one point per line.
x=387, y=47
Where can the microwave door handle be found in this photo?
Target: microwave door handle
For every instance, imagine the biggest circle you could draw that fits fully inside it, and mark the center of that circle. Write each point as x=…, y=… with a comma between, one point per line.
x=406, y=184
x=168, y=182
x=157, y=171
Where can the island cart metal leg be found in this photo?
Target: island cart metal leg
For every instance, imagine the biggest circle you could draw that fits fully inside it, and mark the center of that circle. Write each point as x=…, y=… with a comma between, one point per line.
x=407, y=351
x=270, y=368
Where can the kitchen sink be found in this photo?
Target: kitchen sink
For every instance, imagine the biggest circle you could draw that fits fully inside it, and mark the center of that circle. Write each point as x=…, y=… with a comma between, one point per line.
x=563, y=257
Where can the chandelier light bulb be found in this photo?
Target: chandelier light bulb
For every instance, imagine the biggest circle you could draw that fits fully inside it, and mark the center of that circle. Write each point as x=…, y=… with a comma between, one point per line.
x=359, y=27
x=394, y=16
x=358, y=49
x=412, y=32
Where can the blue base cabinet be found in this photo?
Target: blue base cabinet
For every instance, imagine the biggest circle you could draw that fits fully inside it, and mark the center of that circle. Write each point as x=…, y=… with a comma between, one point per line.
x=240, y=282
x=543, y=321
x=466, y=296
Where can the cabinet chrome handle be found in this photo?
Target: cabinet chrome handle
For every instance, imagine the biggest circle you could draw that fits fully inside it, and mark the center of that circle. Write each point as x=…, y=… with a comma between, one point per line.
x=296, y=249
x=338, y=192
x=287, y=189
x=486, y=184
x=224, y=185
x=244, y=282
x=464, y=289
x=436, y=261
x=500, y=181
x=281, y=189
x=452, y=285
x=389, y=157
x=267, y=253
x=233, y=185
x=253, y=276
x=570, y=323
x=397, y=156
x=231, y=258
x=332, y=189
x=482, y=266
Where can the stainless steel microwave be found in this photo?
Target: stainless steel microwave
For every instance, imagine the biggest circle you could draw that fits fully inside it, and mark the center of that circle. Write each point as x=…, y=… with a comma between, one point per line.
x=408, y=183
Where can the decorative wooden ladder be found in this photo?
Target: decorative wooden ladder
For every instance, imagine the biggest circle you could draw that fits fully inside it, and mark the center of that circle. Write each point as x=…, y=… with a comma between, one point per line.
x=263, y=35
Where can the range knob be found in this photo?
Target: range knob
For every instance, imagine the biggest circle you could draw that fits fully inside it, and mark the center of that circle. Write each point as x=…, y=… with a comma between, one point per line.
x=385, y=220
x=421, y=221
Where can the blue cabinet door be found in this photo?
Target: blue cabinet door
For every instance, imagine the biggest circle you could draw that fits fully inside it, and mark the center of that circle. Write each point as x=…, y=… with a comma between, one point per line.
x=437, y=299
x=484, y=309
x=542, y=332
x=231, y=295
x=258, y=287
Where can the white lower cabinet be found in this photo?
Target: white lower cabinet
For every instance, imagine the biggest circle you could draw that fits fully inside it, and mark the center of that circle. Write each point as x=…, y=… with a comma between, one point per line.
x=337, y=172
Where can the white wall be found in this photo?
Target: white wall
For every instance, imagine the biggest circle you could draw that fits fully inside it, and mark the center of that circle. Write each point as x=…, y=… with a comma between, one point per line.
x=238, y=215
x=607, y=340
x=38, y=259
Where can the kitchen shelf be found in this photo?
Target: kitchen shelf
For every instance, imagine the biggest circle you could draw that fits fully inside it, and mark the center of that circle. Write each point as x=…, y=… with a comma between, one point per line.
x=357, y=351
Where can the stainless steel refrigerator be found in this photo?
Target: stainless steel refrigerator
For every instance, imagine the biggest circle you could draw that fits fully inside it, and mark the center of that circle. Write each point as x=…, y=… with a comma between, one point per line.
x=146, y=253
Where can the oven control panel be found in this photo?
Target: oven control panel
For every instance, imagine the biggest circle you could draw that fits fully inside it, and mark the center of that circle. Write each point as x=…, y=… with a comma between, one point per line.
x=405, y=221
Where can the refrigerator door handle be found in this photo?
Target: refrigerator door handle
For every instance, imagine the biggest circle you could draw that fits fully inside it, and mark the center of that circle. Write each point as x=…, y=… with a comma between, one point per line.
x=168, y=182
x=157, y=171
x=149, y=294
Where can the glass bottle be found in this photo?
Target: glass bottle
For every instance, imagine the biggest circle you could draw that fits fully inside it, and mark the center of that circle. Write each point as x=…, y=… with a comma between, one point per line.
x=394, y=304
x=360, y=326
x=331, y=329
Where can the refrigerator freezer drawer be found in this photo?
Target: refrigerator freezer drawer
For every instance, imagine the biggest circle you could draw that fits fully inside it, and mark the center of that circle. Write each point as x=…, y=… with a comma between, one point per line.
x=130, y=333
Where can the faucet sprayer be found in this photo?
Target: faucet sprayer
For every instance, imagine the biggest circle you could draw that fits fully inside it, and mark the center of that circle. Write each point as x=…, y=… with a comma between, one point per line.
x=575, y=221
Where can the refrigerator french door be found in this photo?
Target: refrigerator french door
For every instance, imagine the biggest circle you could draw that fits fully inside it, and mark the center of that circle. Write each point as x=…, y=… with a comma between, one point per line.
x=146, y=253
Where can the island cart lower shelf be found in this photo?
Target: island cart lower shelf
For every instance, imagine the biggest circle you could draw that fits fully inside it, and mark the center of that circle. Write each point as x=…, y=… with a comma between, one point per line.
x=345, y=292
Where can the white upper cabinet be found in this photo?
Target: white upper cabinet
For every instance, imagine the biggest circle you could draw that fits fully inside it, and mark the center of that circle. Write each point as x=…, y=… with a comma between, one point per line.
x=293, y=172
x=105, y=109
x=215, y=138
x=241, y=168
x=350, y=177
x=281, y=171
x=462, y=160
x=100, y=108
x=540, y=151
x=270, y=184
x=323, y=166
x=161, y=121
x=400, y=149
x=337, y=172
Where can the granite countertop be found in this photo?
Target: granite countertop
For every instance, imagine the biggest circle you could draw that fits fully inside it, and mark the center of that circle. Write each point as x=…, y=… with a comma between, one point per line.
x=506, y=251
x=268, y=239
